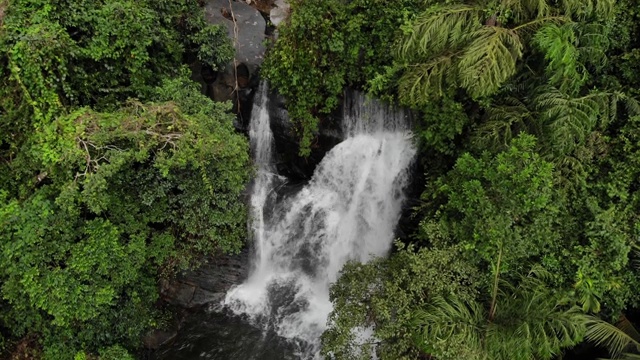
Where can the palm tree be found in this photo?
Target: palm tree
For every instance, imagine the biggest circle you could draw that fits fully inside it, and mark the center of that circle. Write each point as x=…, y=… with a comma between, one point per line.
x=527, y=321
x=622, y=340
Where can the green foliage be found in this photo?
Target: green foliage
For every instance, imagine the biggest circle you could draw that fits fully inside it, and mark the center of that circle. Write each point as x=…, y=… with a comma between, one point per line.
x=325, y=45
x=143, y=187
x=529, y=127
x=478, y=45
x=384, y=295
x=500, y=205
x=101, y=193
x=531, y=322
x=101, y=52
x=111, y=353
x=115, y=353
x=441, y=123
x=215, y=48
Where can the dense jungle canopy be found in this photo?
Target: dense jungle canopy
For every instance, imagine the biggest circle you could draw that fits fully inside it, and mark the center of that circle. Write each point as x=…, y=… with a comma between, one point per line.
x=116, y=171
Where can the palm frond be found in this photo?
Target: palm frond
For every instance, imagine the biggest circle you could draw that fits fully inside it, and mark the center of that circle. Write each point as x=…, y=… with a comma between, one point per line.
x=629, y=356
x=625, y=325
x=614, y=339
x=489, y=60
x=531, y=322
x=447, y=318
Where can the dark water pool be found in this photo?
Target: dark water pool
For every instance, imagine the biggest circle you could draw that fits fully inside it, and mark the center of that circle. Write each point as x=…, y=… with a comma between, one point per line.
x=224, y=336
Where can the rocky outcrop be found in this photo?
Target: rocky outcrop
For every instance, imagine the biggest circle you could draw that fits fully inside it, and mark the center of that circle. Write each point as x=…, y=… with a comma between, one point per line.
x=246, y=28
x=207, y=284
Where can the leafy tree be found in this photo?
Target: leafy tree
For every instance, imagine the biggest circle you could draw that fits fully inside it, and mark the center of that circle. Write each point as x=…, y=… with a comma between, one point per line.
x=97, y=53
x=527, y=120
x=384, y=295
x=145, y=187
x=325, y=45
x=101, y=193
x=501, y=209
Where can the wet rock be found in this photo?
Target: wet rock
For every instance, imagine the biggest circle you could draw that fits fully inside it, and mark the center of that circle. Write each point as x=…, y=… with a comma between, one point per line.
x=207, y=284
x=289, y=162
x=157, y=338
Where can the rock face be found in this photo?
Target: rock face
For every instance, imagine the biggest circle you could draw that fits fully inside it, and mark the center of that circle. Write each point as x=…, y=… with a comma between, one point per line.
x=289, y=162
x=207, y=284
x=246, y=28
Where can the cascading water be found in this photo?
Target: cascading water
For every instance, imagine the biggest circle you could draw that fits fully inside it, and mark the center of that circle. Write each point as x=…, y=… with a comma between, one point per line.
x=348, y=211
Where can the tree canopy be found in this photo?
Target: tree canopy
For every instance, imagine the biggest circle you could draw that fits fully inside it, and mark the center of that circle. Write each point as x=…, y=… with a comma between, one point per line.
x=527, y=224
x=114, y=168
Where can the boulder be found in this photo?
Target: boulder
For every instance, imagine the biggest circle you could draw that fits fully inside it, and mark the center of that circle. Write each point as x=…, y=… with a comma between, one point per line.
x=279, y=12
x=246, y=28
x=250, y=27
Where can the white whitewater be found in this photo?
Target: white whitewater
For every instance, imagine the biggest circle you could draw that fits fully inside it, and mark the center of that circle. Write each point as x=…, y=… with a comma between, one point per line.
x=348, y=211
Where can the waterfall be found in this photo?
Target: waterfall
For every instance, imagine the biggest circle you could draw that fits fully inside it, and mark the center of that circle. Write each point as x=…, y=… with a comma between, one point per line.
x=347, y=211
x=262, y=142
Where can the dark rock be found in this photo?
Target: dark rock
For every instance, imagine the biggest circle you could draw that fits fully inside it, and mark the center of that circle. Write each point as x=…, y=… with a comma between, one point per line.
x=157, y=338
x=246, y=28
x=250, y=24
x=207, y=284
x=289, y=162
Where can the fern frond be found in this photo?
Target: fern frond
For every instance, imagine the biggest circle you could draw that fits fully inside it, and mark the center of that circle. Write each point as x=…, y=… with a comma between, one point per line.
x=504, y=122
x=423, y=82
x=535, y=24
x=558, y=43
x=440, y=28
x=570, y=175
x=535, y=8
x=593, y=43
x=583, y=9
x=631, y=104
x=569, y=119
x=489, y=60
